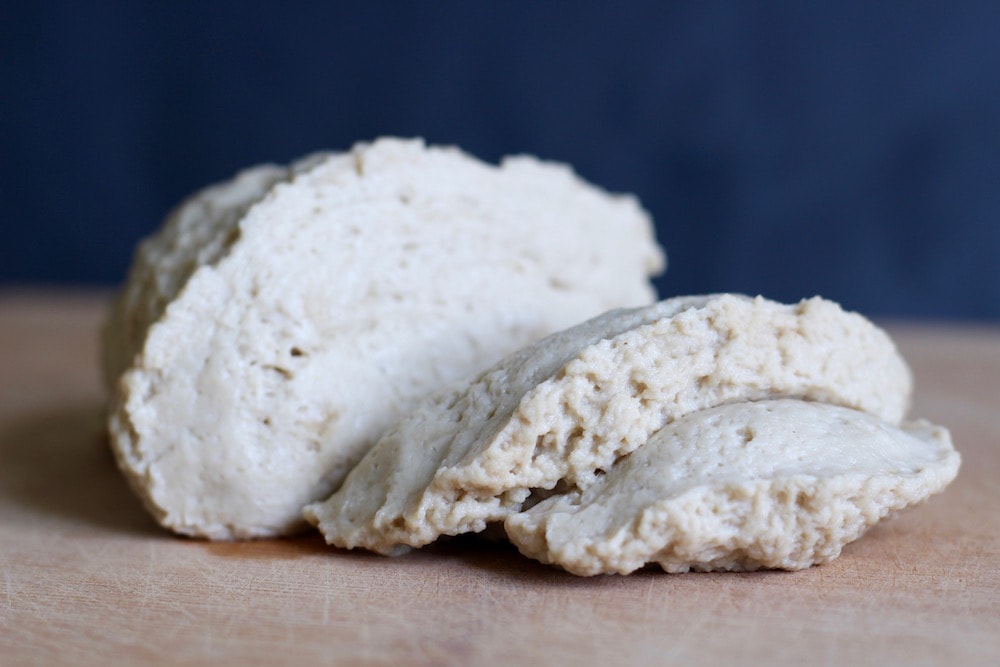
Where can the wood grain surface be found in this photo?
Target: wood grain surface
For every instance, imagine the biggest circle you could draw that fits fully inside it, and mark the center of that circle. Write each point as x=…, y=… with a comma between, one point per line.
x=87, y=578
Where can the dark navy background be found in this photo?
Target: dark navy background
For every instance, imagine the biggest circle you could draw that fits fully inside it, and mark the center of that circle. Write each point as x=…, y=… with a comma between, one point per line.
x=850, y=149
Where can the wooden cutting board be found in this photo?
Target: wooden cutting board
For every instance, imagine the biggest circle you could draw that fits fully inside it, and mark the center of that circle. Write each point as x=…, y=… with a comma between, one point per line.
x=87, y=578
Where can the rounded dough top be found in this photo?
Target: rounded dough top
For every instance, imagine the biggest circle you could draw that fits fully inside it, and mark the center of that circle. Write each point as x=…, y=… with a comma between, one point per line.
x=279, y=323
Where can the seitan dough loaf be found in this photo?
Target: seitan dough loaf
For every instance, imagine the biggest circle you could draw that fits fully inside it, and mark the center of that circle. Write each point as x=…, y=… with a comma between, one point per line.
x=770, y=484
x=557, y=414
x=278, y=323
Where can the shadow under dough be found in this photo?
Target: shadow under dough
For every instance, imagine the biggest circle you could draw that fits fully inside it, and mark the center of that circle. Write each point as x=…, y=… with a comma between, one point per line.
x=58, y=462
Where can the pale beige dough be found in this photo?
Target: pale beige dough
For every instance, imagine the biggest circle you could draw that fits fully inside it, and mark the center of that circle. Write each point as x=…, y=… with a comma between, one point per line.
x=557, y=414
x=278, y=323
x=770, y=484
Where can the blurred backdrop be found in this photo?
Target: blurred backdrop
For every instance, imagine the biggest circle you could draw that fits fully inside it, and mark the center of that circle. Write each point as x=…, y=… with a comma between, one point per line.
x=849, y=149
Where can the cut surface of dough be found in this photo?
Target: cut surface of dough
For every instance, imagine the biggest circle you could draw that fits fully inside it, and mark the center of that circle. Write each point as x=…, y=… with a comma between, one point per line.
x=278, y=323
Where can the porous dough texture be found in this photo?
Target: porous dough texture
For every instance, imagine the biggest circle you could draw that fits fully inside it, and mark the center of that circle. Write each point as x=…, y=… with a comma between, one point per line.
x=557, y=414
x=279, y=322
x=781, y=484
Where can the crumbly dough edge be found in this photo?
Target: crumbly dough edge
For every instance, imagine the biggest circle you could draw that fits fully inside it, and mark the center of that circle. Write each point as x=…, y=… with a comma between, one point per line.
x=524, y=456
x=497, y=475
x=818, y=517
